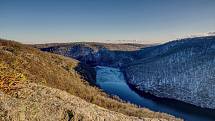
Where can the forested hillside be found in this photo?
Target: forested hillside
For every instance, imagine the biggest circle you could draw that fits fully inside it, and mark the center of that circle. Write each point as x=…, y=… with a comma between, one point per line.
x=182, y=70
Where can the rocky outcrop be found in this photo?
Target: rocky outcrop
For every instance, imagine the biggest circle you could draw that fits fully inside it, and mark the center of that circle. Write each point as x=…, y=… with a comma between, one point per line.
x=182, y=70
x=41, y=103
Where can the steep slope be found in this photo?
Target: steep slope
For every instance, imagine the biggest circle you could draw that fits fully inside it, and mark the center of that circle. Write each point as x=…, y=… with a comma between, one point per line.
x=54, y=71
x=181, y=70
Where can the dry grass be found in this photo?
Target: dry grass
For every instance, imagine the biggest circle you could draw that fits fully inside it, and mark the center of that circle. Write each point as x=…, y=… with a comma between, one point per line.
x=59, y=72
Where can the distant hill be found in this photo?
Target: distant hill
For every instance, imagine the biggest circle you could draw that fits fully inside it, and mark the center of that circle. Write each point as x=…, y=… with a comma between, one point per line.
x=104, y=54
x=96, y=46
x=34, y=85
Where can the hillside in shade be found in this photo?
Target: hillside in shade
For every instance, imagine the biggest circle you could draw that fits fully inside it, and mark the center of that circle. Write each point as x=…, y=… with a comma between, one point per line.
x=103, y=54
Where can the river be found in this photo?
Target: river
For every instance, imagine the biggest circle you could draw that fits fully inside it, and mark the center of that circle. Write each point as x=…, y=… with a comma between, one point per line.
x=111, y=81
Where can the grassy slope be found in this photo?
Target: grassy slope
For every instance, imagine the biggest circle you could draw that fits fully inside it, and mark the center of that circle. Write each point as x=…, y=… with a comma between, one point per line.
x=59, y=72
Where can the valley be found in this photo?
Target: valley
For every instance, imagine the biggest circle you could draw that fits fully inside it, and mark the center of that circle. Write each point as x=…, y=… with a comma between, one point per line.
x=128, y=79
x=165, y=71
x=107, y=60
x=34, y=85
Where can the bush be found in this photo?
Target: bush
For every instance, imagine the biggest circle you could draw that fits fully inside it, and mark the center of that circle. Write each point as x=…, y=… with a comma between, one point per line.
x=10, y=79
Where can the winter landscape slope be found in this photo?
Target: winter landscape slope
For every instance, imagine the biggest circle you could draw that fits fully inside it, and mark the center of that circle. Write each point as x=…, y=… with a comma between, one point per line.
x=182, y=70
x=34, y=85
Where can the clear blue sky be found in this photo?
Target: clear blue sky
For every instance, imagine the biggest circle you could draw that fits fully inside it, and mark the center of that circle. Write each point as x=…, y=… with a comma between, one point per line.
x=41, y=21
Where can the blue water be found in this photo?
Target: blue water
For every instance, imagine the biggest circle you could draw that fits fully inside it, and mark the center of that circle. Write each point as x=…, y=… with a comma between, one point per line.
x=112, y=81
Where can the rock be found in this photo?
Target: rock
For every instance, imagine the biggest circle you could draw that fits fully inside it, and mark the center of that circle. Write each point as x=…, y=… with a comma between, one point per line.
x=35, y=102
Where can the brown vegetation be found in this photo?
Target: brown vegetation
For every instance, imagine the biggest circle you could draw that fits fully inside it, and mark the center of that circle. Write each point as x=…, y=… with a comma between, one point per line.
x=10, y=79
